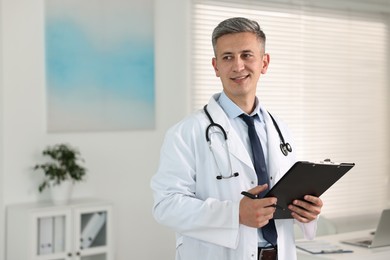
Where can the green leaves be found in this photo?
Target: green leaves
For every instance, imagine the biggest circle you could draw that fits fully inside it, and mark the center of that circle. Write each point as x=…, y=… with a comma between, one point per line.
x=64, y=165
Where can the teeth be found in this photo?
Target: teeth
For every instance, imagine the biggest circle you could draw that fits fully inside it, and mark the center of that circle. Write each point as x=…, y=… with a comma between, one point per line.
x=243, y=77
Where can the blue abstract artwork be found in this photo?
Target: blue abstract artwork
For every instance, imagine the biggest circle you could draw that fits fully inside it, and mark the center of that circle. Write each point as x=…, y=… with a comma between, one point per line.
x=99, y=65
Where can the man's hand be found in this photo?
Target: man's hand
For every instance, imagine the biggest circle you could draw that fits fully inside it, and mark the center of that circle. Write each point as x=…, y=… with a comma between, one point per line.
x=306, y=210
x=256, y=212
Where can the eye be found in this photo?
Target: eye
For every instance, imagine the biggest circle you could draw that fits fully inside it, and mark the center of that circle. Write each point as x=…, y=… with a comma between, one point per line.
x=246, y=55
x=227, y=57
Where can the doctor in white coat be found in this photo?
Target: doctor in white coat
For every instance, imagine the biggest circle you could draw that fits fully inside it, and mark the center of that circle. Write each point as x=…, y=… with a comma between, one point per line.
x=197, y=188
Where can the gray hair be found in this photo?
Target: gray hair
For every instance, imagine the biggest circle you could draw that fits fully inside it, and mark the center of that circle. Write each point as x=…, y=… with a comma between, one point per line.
x=237, y=25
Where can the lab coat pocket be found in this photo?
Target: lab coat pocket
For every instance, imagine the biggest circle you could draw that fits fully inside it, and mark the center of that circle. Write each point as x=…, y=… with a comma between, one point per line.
x=194, y=249
x=179, y=242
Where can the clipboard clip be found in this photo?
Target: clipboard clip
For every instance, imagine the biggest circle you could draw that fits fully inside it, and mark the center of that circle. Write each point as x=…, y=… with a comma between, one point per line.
x=327, y=161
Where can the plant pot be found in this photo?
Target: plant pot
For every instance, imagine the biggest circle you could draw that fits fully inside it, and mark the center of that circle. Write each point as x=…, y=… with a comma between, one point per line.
x=61, y=193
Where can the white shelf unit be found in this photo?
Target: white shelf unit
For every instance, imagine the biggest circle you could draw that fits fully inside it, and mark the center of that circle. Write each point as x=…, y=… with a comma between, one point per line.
x=79, y=230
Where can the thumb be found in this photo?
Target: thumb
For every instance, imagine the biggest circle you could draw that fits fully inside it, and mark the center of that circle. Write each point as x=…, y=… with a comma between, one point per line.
x=258, y=189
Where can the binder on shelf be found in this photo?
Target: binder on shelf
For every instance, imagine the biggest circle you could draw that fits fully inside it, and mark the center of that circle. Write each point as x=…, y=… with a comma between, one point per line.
x=91, y=229
x=59, y=234
x=45, y=235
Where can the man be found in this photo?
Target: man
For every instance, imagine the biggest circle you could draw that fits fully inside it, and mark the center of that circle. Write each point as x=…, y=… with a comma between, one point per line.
x=210, y=157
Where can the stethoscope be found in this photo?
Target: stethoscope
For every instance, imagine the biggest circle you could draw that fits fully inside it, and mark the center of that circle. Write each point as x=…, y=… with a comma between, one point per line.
x=284, y=147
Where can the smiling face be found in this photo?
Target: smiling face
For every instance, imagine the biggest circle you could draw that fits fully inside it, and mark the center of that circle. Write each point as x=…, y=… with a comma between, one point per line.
x=239, y=61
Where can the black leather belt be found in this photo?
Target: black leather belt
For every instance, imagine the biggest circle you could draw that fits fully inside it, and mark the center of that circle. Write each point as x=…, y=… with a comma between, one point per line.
x=267, y=253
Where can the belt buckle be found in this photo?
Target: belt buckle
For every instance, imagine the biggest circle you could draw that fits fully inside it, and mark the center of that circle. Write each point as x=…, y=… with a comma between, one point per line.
x=265, y=249
x=263, y=252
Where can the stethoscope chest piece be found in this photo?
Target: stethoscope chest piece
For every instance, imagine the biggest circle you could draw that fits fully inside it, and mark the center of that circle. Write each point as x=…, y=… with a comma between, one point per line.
x=285, y=148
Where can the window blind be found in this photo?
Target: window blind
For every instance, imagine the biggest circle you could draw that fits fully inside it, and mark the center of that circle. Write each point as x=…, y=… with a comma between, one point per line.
x=327, y=80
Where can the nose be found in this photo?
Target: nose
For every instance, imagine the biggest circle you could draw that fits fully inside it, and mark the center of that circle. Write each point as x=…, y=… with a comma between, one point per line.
x=238, y=65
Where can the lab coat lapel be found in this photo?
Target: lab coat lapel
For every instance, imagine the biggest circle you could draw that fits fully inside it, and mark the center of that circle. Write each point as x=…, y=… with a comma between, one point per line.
x=236, y=147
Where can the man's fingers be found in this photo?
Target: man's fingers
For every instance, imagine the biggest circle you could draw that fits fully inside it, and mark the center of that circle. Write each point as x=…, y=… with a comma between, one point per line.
x=258, y=189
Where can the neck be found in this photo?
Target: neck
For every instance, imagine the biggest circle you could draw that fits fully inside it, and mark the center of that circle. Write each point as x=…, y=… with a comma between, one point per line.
x=247, y=104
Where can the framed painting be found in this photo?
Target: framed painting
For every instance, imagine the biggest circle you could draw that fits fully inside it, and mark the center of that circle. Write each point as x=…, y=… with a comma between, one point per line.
x=99, y=65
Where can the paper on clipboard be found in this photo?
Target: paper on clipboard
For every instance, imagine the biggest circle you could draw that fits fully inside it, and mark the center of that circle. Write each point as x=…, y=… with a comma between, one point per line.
x=320, y=247
x=305, y=178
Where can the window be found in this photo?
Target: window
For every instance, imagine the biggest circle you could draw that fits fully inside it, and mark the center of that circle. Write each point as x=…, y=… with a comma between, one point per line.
x=327, y=80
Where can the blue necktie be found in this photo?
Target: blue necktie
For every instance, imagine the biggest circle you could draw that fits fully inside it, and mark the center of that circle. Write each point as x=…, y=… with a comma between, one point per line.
x=269, y=230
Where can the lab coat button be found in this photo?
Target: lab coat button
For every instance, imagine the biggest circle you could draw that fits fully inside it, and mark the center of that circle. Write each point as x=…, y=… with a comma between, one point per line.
x=252, y=182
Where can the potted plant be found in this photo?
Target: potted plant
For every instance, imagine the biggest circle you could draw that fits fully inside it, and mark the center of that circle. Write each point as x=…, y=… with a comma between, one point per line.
x=61, y=171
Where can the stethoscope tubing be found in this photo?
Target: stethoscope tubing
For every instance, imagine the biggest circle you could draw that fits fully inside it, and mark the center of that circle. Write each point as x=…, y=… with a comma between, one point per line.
x=284, y=147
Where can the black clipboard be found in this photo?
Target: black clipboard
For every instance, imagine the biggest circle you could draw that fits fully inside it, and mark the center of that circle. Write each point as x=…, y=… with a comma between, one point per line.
x=305, y=178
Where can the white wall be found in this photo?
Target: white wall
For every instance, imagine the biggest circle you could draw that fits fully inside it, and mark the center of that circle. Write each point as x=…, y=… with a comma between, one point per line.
x=2, y=223
x=388, y=93
x=120, y=163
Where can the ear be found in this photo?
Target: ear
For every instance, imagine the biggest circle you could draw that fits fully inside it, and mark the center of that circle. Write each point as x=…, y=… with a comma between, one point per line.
x=265, y=63
x=214, y=63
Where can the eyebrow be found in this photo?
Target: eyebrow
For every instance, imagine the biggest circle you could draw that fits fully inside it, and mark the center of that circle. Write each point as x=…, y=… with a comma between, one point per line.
x=243, y=51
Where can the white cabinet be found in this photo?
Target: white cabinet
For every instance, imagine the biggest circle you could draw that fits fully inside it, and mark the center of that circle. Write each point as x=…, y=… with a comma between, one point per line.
x=80, y=230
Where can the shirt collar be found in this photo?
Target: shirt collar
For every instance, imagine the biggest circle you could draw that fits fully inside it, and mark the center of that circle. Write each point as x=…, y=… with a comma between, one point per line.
x=233, y=111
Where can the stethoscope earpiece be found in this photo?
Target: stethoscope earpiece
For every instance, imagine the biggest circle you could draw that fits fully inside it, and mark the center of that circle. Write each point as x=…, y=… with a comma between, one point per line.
x=220, y=177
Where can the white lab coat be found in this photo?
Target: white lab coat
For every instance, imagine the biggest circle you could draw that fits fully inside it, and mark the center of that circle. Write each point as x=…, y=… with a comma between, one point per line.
x=204, y=211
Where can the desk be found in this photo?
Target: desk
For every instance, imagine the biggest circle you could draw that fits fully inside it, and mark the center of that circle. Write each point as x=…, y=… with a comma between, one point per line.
x=359, y=253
